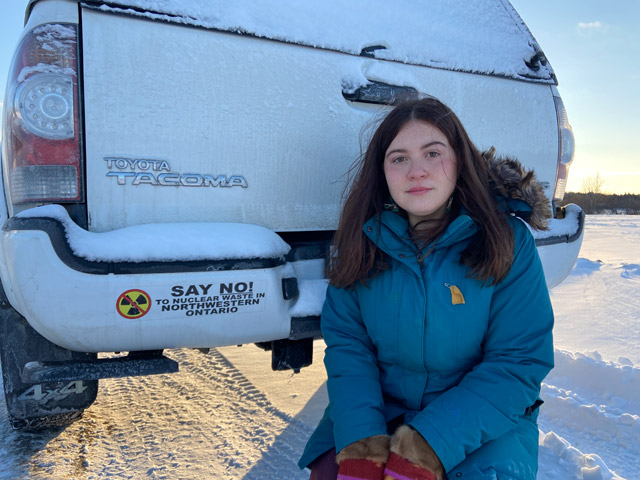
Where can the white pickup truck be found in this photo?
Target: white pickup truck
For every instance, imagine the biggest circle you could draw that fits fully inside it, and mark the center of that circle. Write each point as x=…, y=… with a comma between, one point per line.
x=173, y=170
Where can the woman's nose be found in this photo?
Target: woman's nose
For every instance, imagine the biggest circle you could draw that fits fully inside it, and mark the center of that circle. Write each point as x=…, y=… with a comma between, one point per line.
x=418, y=169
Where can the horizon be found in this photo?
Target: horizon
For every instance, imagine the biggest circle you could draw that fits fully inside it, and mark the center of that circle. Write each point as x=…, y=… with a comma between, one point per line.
x=600, y=193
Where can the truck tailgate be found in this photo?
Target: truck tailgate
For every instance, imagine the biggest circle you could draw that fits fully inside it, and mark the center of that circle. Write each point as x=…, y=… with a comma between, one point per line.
x=186, y=124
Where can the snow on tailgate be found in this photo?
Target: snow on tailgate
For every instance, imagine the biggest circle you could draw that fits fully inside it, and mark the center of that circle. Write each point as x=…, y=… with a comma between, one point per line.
x=484, y=36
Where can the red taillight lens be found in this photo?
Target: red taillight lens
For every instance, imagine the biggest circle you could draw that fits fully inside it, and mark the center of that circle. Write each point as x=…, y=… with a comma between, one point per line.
x=42, y=158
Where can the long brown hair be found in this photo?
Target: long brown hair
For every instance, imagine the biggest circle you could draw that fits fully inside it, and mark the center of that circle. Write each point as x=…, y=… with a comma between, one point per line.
x=489, y=256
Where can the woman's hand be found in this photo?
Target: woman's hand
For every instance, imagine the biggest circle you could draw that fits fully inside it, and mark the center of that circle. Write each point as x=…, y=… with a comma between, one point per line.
x=412, y=457
x=364, y=459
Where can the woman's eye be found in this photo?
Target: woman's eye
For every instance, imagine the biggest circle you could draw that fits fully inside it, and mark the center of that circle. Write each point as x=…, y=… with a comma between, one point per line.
x=433, y=154
x=398, y=160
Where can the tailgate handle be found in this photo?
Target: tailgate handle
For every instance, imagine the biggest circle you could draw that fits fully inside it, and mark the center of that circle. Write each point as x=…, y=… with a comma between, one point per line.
x=381, y=94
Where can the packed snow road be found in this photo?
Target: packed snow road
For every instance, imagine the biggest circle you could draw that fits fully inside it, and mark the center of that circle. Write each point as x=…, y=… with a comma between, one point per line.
x=207, y=421
x=226, y=415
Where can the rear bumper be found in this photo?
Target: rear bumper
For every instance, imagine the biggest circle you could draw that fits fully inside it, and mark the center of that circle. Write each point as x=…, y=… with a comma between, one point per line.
x=97, y=306
x=559, y=247
x=104, y=306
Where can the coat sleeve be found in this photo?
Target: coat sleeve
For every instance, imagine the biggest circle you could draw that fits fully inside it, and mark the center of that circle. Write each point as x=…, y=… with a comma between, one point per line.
x=355, y=394
x=518, y=354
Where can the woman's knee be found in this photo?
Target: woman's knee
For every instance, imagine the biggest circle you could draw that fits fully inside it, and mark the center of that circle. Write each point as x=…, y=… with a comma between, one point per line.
x=325, y=467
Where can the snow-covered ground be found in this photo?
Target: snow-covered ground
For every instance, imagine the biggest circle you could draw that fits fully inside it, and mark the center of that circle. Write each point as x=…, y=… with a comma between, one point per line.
x=590, y=423
x=227, y=415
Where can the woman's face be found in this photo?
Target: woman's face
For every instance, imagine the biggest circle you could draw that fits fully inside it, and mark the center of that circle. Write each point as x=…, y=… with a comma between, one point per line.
x=420, y=169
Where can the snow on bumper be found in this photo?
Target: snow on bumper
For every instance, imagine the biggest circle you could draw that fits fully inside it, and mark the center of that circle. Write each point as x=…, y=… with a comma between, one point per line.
x=105, y=306
x=560, y=245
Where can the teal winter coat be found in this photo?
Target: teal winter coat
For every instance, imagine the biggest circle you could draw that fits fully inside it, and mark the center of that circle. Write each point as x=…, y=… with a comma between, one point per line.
x=458, y=360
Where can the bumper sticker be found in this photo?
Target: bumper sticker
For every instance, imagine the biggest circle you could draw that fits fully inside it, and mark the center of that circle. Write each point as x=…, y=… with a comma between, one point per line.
x=214, y=298
x=133, y=303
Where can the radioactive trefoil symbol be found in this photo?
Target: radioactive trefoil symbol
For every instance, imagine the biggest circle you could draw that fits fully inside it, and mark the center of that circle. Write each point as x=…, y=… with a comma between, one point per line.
x=133, y=303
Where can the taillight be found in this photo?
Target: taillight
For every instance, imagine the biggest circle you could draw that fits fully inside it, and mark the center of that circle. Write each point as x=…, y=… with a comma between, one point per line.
x=42, y=158
x=566, y=148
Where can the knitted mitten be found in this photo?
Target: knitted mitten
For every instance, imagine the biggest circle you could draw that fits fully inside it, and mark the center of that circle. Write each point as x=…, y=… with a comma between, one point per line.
x=360, y=469
x=412, y=458
x=399, y=468
x=364, y=459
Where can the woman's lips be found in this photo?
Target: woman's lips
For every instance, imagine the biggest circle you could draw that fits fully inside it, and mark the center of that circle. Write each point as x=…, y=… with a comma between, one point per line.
x=419, y=190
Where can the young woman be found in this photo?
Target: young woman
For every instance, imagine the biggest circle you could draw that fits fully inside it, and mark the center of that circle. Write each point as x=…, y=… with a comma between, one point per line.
x=437, y=319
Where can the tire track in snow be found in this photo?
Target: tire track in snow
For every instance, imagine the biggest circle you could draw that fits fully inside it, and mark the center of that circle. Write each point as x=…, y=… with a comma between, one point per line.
x=587, y=402
x=127, y=434
x=250, y=408
x=207, y=421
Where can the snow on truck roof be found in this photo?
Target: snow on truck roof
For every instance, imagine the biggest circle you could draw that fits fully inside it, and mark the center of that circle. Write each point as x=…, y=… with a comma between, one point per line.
x=483, y=36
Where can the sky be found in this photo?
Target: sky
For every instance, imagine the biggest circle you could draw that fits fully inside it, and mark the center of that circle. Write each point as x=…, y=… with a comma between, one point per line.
x=594, y=48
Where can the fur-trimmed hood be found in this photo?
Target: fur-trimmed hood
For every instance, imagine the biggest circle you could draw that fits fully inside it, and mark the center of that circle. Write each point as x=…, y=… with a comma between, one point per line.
x=516, y=184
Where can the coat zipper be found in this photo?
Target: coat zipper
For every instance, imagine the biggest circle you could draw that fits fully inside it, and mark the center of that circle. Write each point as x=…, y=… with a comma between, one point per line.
x=421, y=257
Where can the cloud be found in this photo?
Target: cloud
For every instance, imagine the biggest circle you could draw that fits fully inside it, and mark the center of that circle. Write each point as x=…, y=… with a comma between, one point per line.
x=591, y=25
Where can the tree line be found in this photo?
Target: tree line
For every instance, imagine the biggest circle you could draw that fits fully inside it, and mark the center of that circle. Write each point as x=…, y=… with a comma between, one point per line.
x=591, y=202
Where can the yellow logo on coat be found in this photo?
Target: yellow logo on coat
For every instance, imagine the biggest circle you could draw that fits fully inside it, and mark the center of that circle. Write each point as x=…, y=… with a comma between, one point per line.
x=456, y=295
